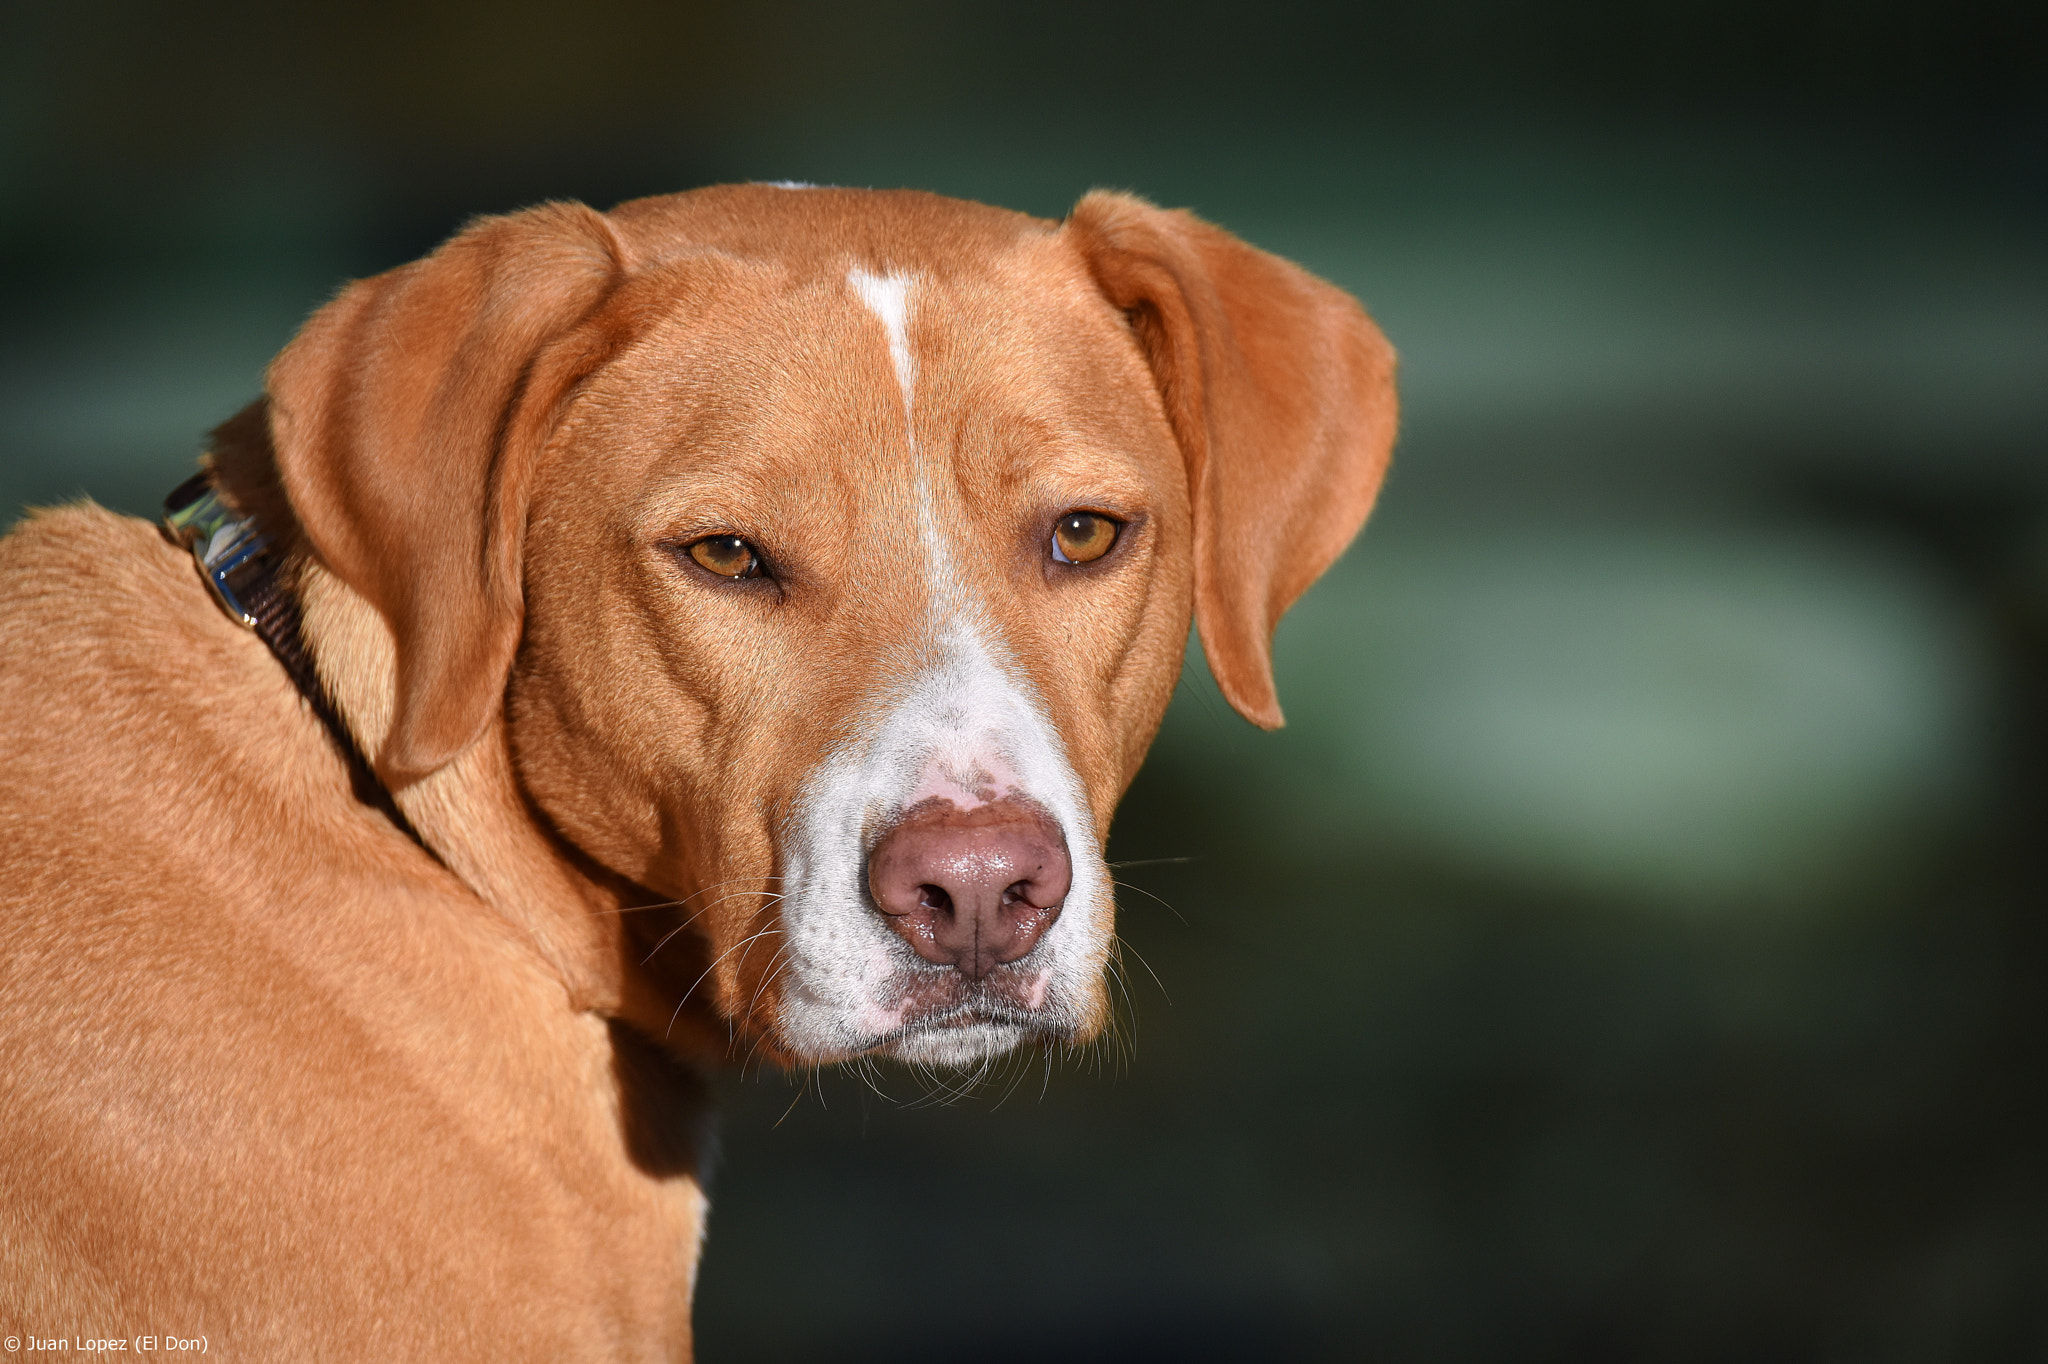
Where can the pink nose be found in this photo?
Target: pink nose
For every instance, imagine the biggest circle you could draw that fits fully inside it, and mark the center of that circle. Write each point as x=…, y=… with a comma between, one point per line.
x=973, y=889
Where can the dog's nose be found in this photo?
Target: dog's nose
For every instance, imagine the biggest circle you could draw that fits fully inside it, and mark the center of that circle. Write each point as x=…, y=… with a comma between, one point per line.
x=972, y=889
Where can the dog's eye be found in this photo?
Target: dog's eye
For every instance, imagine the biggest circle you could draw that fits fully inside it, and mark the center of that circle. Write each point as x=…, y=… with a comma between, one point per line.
x=1082, y=537
x=728, y=556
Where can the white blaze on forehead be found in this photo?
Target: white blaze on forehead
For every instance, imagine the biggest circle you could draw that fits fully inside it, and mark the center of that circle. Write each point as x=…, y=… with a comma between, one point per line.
x=888, y=298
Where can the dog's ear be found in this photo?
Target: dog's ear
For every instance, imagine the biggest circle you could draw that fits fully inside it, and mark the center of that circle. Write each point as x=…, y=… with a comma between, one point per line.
x=1280, y=391
x=407, y=417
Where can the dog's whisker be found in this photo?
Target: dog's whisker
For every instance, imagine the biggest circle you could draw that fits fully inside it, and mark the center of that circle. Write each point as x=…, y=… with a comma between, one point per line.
x=776, y=965
x=870, y=1075
x=1018, y=1067
x=760, y=1039
x=741, y=965
x=708, y=970
x=770, y=897
x=1126, y=885
x=679, y=928
x=809, y=1074
x=1123, y=945
x=678, y=904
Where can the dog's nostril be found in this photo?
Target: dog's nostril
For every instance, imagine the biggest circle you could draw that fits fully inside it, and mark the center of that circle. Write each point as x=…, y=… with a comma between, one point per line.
x=1016, y=892
x=934, y=899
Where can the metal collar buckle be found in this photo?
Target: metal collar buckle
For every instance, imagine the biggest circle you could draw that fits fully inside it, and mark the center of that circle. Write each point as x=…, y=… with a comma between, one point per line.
x=225, y=545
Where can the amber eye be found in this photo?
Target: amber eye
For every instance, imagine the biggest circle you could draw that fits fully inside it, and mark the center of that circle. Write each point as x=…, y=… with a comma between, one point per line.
x=1082, y=537
x=728, y=556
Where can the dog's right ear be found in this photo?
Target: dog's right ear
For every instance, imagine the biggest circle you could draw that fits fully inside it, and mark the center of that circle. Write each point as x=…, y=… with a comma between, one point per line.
x=407, y=418
x=1280, y=391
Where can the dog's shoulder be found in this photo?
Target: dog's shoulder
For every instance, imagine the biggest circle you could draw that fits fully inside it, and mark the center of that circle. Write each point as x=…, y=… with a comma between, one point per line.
x=124, y=691
x=96, y=610
x=79, y=576
x=157, y=754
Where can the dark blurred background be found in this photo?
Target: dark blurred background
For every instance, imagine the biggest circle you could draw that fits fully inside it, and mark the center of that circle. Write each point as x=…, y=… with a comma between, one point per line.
x=1634, y=948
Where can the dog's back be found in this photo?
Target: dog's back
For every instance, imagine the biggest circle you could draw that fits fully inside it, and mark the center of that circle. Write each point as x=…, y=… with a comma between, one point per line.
x=239, y=1008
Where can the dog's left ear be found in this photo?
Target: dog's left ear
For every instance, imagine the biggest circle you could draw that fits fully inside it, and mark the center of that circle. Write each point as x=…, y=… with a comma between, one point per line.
x=1280, y=392
x=407, y=418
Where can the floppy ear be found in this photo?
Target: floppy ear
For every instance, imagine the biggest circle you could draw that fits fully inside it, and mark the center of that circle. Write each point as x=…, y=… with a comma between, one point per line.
x=407, y=417
x=1280, y=391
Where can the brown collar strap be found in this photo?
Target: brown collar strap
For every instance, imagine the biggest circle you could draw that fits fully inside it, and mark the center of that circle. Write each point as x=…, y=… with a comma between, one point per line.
x=243, y=569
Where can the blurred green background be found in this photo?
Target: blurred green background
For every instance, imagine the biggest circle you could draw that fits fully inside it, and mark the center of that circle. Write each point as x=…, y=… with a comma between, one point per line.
x=1634, y=948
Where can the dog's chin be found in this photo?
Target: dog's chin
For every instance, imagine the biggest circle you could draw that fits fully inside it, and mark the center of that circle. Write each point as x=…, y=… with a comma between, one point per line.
x=957, y=1044
x=960, y=1041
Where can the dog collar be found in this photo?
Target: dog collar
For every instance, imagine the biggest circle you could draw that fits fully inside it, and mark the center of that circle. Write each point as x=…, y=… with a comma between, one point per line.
x=244, y=568
x=233, y=555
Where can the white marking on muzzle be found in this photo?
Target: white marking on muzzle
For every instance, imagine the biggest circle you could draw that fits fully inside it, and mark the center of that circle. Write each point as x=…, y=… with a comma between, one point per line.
x=972, y=711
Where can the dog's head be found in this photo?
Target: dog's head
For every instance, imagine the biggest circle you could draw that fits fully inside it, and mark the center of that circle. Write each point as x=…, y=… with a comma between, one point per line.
x=824, y=559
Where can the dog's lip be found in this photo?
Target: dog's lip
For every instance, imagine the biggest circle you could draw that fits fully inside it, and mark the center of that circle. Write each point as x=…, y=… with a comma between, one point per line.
x=970, y=1014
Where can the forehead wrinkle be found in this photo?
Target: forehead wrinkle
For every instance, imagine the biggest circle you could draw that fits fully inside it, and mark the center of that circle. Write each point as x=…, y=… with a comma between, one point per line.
x=1066, y=363
x=796, y=371
x=1017, y=453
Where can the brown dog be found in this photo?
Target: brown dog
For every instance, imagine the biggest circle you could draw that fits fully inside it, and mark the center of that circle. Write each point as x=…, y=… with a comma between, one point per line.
x=811, y=564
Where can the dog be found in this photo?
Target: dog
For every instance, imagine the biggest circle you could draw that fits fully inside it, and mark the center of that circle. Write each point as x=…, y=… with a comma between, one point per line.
x=719, y=627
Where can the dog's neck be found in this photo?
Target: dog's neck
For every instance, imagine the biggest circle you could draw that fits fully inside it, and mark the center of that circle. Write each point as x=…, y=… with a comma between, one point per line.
x=472, y=813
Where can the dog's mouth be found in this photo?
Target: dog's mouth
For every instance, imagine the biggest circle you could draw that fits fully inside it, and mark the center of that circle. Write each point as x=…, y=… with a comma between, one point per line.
x=939, y=1016
x=1019, y=993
